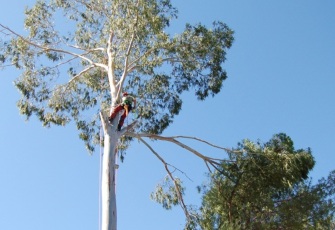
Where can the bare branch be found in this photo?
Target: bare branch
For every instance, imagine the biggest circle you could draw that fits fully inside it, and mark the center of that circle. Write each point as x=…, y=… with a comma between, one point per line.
x=182, y=172
x=110, y=69
x=4, y=66
x=2, y=31
x=81, y=73
x=87, y=50
x=125, y=72
x=176, y=185
x=103, y=121
x=46, y=49
x=210, y=160
x=67, y=61
x=175, y=60
x=126, y=61
x=209, y=169
x=206, y=142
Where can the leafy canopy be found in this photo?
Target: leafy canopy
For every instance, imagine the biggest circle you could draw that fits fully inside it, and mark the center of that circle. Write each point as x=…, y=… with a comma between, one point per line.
x=78, y=55
x=265, y=186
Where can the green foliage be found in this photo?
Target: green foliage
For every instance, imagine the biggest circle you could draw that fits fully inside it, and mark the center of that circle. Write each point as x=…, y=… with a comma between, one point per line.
x=123, y=145
x=265, y=186
x=70, y=37
x=166, y=193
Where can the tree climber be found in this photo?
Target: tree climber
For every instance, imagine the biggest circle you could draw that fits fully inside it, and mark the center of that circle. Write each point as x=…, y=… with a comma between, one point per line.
x=128, y=103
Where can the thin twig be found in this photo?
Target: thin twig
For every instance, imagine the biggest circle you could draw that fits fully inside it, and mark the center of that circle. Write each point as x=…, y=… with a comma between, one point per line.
x=180, y=172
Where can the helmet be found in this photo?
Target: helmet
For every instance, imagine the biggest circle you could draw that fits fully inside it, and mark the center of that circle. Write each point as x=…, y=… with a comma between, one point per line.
x=125, y=94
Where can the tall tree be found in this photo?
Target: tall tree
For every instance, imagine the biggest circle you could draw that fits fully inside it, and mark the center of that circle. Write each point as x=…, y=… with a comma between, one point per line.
x=265, y=186
x=78, y=56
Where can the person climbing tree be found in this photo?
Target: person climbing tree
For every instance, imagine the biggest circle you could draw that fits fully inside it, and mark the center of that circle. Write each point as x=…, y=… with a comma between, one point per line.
x=128, y=103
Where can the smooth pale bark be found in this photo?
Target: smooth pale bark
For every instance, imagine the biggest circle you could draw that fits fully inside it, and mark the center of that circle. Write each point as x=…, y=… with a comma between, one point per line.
x=109, y=167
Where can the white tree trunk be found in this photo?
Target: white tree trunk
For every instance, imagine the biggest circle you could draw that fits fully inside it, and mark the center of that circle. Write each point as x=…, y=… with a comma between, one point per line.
x=108, y=193
x=108, y=174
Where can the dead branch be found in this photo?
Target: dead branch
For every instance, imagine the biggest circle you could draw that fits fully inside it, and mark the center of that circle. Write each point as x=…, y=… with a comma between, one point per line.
x=166, y=166
x=206, y=142
x=211, y=161
x=2, y=31
x=182, y=172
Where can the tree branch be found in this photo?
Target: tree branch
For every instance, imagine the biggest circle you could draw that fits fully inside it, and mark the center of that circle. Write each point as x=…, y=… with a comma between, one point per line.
x=212, y=161
x=126, y=61
x=172, y=59
x=87, y=50
x=132, y=64
x=2, y=31
x=128, y=128
x=125, y=72
x=182, y=172
x=103, y=121
x=4, y=66
x=111, y=77
x=64, y=62
x=46, y=49
x=176, y=185
x=81, y=73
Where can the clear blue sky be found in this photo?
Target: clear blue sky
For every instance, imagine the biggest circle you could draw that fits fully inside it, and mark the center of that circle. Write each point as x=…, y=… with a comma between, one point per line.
x=281, y=72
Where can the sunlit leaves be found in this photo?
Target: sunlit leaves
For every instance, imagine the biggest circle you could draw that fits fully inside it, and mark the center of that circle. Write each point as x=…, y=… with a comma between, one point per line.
x=263, y=186
x=166, y=193
x=75, y=51
x=202, y=52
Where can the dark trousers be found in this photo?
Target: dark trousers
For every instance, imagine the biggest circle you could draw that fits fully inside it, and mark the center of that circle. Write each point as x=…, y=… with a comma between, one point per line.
x=117, y=109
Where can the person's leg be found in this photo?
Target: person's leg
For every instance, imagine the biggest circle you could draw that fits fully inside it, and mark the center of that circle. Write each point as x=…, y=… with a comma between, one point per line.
x=114, y=112
x=117, y=109
x=121, y=121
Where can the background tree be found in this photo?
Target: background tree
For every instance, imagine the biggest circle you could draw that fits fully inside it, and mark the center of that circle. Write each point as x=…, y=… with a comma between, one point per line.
x=105, y=48
x=265, y=186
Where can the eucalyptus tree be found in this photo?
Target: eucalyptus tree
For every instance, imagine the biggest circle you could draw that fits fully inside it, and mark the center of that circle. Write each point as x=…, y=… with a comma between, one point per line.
x=78, y=56
x=266, y=186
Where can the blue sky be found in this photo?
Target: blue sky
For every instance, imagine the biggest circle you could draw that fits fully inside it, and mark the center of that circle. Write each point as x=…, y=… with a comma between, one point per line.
x=281, y=72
